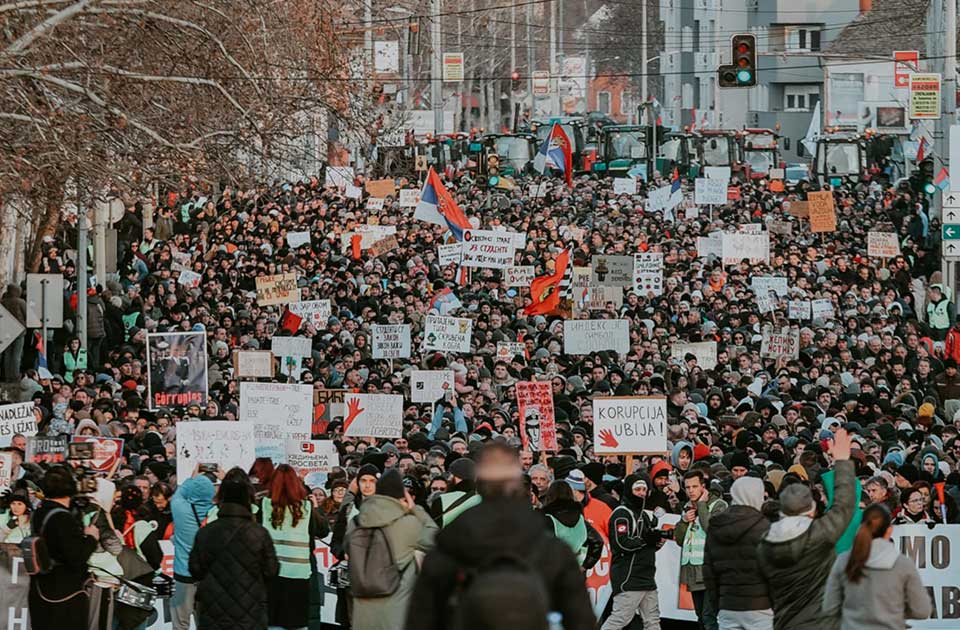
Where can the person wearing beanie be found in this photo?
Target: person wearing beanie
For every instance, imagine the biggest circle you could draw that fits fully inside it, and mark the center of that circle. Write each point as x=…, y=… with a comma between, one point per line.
x=461, y=496
x=593, y=474
x=797, y=553
x=408, y=529
x=739, y=465
x=730, y=568
x=233, y=559
x=15, y=520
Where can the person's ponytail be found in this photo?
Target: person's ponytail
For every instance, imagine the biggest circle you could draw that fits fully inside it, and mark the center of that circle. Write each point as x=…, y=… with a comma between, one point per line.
x=876, y=521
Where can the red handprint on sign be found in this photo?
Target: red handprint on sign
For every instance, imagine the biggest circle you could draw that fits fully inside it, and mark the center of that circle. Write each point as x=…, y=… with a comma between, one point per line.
x=353, y=410
x=607, y=439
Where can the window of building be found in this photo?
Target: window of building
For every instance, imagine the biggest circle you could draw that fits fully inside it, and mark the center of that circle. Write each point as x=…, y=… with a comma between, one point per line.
x=603, y=102
x=800, y=98
x=802, y=38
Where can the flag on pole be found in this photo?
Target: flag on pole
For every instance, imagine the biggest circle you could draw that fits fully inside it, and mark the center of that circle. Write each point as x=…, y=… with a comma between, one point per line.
x=942, y=180
x=675, y=181
x=556, y=153
x=922, y=149
x=546, y=291
x=438, y=206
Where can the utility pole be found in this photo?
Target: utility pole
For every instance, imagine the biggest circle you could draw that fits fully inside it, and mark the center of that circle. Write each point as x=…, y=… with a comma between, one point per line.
x=368, y=38
x=436, y=87
x=554, y=74
x=586, y=54
x=948, y=91
x=513, y=56
x=530, y=67
x=83, y=226
x=643, y=51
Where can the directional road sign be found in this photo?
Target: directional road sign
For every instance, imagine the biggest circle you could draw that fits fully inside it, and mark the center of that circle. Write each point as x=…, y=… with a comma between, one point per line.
x=10, y=328
x=951, y=231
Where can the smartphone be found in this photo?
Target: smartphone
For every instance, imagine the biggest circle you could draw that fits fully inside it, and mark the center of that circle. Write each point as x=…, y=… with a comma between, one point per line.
x=208, y=468
x=80, y=450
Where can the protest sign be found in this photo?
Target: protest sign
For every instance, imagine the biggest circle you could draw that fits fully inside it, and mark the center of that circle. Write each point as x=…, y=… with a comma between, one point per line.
x=369, y=234
x=780, y=343
x=278, y=289
x=17, y=418
x=629, y=425
x=704, y=351
x=6, y=470
x=718, y=172
x=798, y=309
x=176, y=369
x=298, y=239
x=391, y=341
x=658, y=199
x=784, y=228
x=338, y=176
x=519, y=276
x=821, y=309
x=291, y=346
x=488, y=249
x=220, y=442
x=799, y=209
x=409, y=198
x=507, y=350
x=107, y=453
x=352, y=192
x=764, y=285
x=766, y=303
x=447, y=334
x=427, y=386
x=882, y=245
x=585, y=336
x=737, y=246
x=384, y=245
x=278, y=412
x=14, y=589
x=930, y=549
x=624, y=186
x=648, y=273
x=374, y=203
x=312, y=456
x=674, y=602
x=823, y=215
x=449, y=254
x=750, y=228
x=46, y=449
x=252, y=364
x=189, y=279
x=316, y=312
x=381, y=188
x=599, y=297
x=327, y=405
x=710, y=245
x=611, y=271
x=535, y=400
x=374, y=415
x=710, y=191
x=691, y=213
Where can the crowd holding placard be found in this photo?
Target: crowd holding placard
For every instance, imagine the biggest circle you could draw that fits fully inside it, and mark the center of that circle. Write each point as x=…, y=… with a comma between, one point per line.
x=502, y=455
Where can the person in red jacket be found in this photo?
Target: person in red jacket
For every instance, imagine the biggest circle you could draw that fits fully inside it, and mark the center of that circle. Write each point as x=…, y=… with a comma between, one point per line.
x=952, y=344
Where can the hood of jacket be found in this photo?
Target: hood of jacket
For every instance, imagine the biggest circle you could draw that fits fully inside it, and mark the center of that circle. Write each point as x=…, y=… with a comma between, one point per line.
x=12, y=293
x=734, y=523
x=675, y=454
x=883, y=554
x=628, y=499
x=379, y=511
x=784, y=544
x=199, y=492
x=567, y=511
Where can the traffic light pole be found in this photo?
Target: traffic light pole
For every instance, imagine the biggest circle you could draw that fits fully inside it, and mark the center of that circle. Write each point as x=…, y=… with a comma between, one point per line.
x=948, y=93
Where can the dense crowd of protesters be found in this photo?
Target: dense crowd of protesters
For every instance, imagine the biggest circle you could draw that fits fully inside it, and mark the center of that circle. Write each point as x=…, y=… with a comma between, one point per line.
x=865, y=418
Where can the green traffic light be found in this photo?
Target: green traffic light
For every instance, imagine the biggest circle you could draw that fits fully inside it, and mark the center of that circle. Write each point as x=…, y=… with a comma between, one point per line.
x=929, y=188
x=493, y=180
x=744, y=76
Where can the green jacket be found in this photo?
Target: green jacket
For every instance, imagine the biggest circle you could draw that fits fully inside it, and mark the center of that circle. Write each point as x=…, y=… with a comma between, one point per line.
x=692, y=574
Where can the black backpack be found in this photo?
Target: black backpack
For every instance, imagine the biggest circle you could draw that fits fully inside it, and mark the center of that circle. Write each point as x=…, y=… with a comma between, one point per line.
x=373, y=568
x=504, y=592
x=36, y=557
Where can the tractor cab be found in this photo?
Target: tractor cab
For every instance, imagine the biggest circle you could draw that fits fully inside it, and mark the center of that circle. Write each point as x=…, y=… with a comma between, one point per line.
x=841, y=156
x=624, y=148
x=677, y=150
x=576, y=129
x=760, y=152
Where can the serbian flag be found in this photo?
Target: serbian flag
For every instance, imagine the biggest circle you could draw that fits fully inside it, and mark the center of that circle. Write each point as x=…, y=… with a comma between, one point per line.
x=675, y=181
x=942, y=180
x=555, y=152
x=545, y=290
x=438, y=206
x=921, y=149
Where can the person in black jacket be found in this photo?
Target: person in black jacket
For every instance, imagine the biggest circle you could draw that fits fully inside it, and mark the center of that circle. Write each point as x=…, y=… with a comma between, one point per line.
x=634, y=540
x=503, y=523
x=58, y=599
x=233, y=559
x=731, y=569
x=594, y=474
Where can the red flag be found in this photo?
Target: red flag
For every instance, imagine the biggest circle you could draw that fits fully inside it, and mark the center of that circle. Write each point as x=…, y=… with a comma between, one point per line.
x=291, y=322
x=355, y=246
x=545, y=290
x=920, y=149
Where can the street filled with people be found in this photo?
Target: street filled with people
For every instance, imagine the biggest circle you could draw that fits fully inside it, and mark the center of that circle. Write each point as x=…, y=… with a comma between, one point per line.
x=544, y=405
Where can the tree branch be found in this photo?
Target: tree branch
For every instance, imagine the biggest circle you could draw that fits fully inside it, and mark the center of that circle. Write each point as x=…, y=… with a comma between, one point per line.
x=64, y=15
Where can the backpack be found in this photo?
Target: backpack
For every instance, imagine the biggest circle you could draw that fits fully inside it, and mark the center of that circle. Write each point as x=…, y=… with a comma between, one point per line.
x=373, y=568
x=36, y=556
x=504, y=592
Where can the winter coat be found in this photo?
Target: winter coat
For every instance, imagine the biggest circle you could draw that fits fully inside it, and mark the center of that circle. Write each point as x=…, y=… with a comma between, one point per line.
x=889, y=592
x=497, y=526
x=406, y=532
x=569, y=514
x=189, y=507
x=232, y=559
x=633, y=544
x=797, y=553
x=692, y=574
x=96, y=326
x=730, y=566
x=14, y=302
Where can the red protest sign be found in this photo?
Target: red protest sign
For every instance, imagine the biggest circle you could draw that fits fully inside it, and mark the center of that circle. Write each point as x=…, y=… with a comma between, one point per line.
x=536, y=415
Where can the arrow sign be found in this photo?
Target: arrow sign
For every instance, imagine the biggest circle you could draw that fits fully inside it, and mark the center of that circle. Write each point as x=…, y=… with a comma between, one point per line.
x=951, y=232
x=951, y=215
x=10, y=328
x=950, y=250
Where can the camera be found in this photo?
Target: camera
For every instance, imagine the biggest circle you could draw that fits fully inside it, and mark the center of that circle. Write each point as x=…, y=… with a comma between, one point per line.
x=86, y=478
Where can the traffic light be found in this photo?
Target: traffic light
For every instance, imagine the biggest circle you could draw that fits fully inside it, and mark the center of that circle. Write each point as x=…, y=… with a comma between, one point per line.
x=743, y=71
x=515, y=80
x=925, y=177
x=493, y=169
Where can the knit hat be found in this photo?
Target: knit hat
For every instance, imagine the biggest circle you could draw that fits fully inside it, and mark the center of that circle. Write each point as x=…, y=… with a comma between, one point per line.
x=799, y=471
x=235, y=491
x=368, y=469
x=391, y=484
x=747, y=491
x=464, y=468
x=576, y=480
x=796, y=499
x=593, y=471
x=926, y=410
x=740, y=459
x=909, y=472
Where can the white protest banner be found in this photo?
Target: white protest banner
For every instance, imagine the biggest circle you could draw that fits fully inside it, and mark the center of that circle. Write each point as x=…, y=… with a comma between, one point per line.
x=409, y=197
x=312, y=456
x=611, y=271
x=189, y=279
x=278, y=412
x=625, y=186
x=821, y=308
x=369, y=234
x=298, y=239
x=537, y=191
x=585, y=336
x=674, y=602
x=798, y=309
x=658, y=199
x=427, y=386
x=784, y=228
x=737, y=246
x=353, y=192
x=764, y=285
x=535, y=402
x=488, y=249
x=711, y=192
x=629, y=425
x=6, y=470
x=930, y=549
x=507, y=350
x=316, y=312
x=279, y=289
x=710, y=245
x=750, y=228
x=704, y=351
x=882, y=245
x=520, y=276
x=449, y=254
x=373, y=415
x=391, y=341
x=766, y=303
x=718, y=172
x=447, y=334
x=291, y=346
x=375, y=203
x=519, y=238
x=599, y=297
x=252, y=364
x=17, y=418
x=692, y=213
x=648, y=273
x=338, y=176
x=580, y=286
x=220, y=442
x=783, y=343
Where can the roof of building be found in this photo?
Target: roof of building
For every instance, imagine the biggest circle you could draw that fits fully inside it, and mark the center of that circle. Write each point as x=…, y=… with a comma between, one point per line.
x=890, y=25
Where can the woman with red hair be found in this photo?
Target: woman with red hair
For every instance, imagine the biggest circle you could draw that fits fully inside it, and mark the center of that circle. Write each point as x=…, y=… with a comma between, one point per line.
x=293, y=520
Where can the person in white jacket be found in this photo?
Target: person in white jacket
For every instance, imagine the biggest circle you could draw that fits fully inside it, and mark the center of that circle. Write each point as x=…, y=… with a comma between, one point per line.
x=873, y=586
